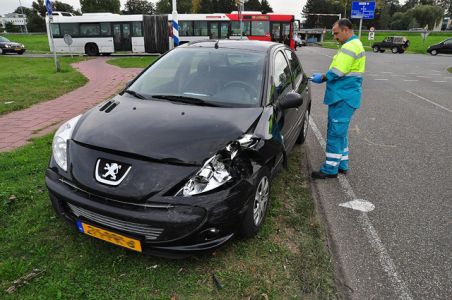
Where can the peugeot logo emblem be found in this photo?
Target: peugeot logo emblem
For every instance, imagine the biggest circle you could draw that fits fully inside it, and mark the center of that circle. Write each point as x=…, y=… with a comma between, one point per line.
x=111, y=172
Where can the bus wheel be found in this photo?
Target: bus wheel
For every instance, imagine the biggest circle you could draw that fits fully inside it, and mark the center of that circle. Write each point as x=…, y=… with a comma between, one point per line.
x=91, y=49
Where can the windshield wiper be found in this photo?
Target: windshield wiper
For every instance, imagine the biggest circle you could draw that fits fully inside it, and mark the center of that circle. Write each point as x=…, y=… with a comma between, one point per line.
x=136, y=94
x=185, y=99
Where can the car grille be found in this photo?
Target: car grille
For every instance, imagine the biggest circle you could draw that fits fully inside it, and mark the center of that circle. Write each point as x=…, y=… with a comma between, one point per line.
x=149, y=232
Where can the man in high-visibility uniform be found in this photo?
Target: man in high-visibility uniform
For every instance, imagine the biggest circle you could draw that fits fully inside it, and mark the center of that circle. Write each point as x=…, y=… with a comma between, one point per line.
x=343, y=96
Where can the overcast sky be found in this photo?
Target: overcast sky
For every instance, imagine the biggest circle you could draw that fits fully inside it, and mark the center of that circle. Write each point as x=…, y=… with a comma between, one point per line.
x=281, y=6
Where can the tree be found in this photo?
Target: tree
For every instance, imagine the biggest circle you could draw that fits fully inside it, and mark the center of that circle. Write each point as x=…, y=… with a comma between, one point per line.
x=27, y=11
x=265, y=7
x=224, y=6
x=163, y=7
x=206, y=7
x=40, y=7
x=139, y=7
x=253, y=5
x=60, y=6
x=93, y=6
x=36, y=24
x=10, y=27
x=428, y=15
x=321, y=7
x=195, y=6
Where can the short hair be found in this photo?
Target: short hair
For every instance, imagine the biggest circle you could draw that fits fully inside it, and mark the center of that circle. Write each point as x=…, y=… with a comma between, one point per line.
x=344, y=23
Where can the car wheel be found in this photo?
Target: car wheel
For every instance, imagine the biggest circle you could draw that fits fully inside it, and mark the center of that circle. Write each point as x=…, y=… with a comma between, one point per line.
x=20, y=52
x=401, y=51
x=376, y=49
x=1, y=51
x=91, y=49
x=434, y=52
x=304, y=131
x=395, y=50
x=257, y=210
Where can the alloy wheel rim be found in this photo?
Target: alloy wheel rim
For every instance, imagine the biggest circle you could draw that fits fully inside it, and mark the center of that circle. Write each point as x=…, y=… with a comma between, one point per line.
x=261, y=200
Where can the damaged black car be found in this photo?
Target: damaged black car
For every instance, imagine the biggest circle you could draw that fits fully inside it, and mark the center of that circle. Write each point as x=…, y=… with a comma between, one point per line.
x=182, y=160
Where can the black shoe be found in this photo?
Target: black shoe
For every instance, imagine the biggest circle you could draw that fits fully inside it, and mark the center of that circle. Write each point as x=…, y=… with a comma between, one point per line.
x=343, y=171
x=321, y=175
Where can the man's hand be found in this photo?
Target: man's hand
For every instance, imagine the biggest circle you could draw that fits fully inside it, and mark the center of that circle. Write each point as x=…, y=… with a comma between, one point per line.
x=317, y=78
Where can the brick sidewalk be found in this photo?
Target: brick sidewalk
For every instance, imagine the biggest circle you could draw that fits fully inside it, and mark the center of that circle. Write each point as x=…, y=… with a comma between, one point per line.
x=16, y=128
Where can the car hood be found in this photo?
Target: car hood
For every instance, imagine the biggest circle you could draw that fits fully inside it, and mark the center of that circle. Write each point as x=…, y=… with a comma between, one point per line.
x=162, y=129
x=12, y=44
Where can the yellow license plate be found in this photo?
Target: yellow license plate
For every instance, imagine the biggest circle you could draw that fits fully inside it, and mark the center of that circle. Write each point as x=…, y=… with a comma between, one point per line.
x=109, y=236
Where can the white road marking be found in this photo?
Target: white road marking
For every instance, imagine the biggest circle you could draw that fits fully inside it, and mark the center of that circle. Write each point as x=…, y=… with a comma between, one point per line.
x=423, y=76
x=430, y=101
x=359, y=204
x=395, y=75
x=436, y=71
x=410, y=80
x=381, y=79
x=372, y=235
x=386, y=72
x=439, y=81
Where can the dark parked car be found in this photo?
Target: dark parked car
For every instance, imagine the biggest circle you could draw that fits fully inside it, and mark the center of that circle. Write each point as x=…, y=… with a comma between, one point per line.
x=443, y=47
x=6, y=46
x=182, y=160
x=397, y=44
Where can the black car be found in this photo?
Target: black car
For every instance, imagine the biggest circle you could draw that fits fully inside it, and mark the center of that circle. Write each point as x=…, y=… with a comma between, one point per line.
x=6, y=46
x=397, y=44
x=182, y=160
x=443, y=47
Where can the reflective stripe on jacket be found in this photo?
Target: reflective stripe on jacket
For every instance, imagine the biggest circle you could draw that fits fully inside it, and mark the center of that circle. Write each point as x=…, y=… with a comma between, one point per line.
x=345, y=76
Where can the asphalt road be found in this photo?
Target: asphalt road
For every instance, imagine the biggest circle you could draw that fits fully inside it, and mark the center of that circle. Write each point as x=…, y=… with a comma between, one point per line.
x=401, y=162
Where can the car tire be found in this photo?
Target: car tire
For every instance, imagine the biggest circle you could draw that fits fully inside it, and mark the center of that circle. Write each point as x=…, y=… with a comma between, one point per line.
x=304, y=131
x=434, y=52
x=20, y=52
x=257, y=210
x=401, y=51
x=376, y=49
x=91, y=49
x=395, y=50
x=382, y=51
x=1, y=51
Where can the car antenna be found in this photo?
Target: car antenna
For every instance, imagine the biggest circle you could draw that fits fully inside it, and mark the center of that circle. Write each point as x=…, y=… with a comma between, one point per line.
x=216, y=44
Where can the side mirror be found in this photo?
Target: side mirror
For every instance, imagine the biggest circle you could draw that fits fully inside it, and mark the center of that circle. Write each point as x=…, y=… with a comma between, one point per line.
x=291, y=100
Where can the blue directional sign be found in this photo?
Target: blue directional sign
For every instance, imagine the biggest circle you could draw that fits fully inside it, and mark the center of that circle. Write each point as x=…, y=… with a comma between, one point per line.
x=363, y=10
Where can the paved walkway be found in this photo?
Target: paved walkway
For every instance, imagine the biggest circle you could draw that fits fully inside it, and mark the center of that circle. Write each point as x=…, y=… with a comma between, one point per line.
x=18, y=127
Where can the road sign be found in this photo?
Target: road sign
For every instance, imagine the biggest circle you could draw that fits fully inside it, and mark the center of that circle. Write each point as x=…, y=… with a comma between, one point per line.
x=371, y=36
x=363, y=10
x=372, y=29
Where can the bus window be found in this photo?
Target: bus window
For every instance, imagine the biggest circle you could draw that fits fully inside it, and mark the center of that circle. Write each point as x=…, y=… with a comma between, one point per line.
x=137, y=29
x=185, y=28
x=69, y=28
x=105, y=29
x=56, y=30
x=260, y=28
x=200, y=28
x=89, y=29
x=235, y=28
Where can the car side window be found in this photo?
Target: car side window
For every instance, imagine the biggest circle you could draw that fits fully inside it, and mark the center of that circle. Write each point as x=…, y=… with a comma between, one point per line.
x=448, y=42
x=295, y=66
x=282, y=78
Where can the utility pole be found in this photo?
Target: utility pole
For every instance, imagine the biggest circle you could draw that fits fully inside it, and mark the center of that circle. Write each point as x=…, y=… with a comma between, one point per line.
x=22, y=10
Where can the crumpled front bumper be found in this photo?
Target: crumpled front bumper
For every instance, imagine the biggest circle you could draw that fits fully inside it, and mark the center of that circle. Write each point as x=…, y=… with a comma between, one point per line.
x=168, y=228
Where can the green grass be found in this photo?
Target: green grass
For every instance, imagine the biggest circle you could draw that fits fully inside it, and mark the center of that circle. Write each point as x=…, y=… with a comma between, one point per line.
x=34, y=43
x=288, y=259
x=416, y=43
x=26, y=81
x=450, y=69
x=133, y=62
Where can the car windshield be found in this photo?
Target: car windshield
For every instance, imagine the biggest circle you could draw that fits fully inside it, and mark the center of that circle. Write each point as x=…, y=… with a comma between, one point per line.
x=3, y=39
x=220, y=77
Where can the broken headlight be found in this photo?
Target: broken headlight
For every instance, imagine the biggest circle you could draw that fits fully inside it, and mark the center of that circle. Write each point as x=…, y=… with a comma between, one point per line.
x=218, y=169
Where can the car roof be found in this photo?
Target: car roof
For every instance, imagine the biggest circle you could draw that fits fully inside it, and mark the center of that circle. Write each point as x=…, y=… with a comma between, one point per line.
x=260, y=46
